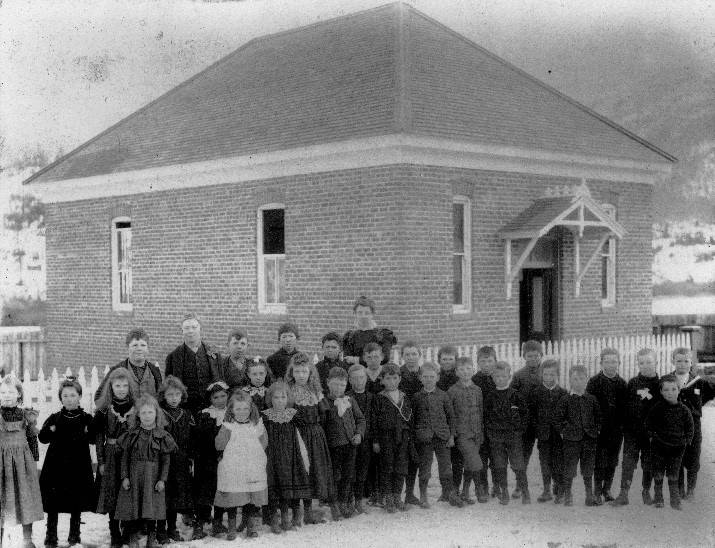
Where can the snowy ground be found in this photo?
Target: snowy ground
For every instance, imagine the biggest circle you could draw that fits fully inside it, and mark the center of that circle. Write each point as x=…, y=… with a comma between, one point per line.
x=487, y=525
x=681, y=305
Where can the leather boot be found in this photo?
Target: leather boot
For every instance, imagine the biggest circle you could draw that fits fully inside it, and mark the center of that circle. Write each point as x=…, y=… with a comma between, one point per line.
x=674, y=494
x=558, y=492
x=389, y=504
x=503, y=490
x=151, y=540
x=51, y=533
x=588, y=486
x=115, y=534
x=276, y=524
x=465, y=489
x=335, y=513
x=692, y=480
x=482, y=492
x=359, y=507
x=286, y=522
x=647, y=499
x=198, y=530
x=410, y=497
x=546, y=495
x=607, y=482
x=232, y=533
x=162, y=536
x=523, y=484
x=454, y=498
x=252, y=525
x=424, y=503
x=622, y=498
x=245, y=512
x=658, y=489
x=312, y=516
x=401, y=506
x=568, y=496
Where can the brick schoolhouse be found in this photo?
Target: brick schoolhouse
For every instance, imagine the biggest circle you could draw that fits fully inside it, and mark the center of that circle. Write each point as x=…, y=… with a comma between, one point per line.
x=379, y=153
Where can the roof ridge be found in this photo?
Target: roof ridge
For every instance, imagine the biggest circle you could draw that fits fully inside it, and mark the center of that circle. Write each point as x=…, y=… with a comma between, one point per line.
x=546, y=86
x=189, y=80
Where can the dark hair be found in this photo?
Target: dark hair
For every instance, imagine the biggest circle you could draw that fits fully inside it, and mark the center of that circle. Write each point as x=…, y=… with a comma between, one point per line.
x=337, y=373
x=332, y=336
x=464, y=360
x=288, y=328
x=172, y=383
x=609, y=352
x=215, y=388
x=69, y=382
x=362, y=300
x=503, y=366
x=410, y=344
x=578, y=369
x=356, y=367
x=667, y=378
x=371, y=347
x=137, y=333
x=486, y=352
x=682, y=350
x=551, y=364
x=390, y=369
x=240, y=395
x=256, y=362
x=278, y=386
x=448, y=349
x=237, y=334
x=532, y=346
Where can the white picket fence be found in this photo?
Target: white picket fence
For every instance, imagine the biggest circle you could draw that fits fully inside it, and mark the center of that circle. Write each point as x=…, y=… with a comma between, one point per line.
x=42, y=394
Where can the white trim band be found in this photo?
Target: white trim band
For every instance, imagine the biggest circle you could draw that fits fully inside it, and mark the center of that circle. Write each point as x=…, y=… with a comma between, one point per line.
x=352, y=154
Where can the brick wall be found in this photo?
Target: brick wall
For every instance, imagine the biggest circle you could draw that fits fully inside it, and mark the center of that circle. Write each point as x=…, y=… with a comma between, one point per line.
x=384, y=232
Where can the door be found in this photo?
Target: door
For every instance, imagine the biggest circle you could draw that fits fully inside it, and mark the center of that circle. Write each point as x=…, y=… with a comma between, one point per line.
x=538, y=305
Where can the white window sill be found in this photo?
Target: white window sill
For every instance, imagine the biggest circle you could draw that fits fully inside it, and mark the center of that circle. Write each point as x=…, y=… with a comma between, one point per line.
x=273, y=309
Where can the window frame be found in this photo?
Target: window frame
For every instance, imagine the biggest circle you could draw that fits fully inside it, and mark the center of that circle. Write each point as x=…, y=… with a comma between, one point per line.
x=263, y=306
x=117, y=305
x=466, y=306
x=610, y=257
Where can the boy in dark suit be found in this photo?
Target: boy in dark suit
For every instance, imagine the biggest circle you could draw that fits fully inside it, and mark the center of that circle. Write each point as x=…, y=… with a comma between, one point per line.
x=505, y=418
x=670, y=426
x=434, y=431
x=550, y=445
x=331, y=358
x=643, y=393
x=365, y=461
x=486, y=360
x=278, y=361
x=578, y=418
x=410, y=384
x=610, y=391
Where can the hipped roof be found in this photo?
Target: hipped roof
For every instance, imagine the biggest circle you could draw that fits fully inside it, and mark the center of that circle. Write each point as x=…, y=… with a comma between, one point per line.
x=388, y=70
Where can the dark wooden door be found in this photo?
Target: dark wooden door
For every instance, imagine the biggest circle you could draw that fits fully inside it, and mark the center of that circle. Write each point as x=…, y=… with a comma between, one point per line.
x=538, y=301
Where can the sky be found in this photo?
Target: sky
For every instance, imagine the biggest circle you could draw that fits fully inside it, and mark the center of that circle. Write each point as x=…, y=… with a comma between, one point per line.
x=71, y=69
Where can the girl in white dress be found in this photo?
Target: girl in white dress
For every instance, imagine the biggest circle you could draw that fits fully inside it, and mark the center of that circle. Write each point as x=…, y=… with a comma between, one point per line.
x=241, y=479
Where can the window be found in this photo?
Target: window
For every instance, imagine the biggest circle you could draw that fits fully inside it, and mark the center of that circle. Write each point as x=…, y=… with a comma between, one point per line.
x=608, y=265
x=461, y=255
x=122, y=264
x=271, y=259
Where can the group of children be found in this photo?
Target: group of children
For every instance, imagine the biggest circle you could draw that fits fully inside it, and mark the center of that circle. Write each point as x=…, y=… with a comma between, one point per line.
x=288, y=433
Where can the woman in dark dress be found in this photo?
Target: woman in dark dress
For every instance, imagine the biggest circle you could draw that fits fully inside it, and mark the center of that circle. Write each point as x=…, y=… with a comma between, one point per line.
x=67, y=481
x=365, y=332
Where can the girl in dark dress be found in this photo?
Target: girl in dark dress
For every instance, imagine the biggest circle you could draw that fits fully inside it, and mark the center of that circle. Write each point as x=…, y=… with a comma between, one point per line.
x=146, y=451
x=208, y=424
x=67, y=480
x=365, y=332
x=180, y=424
x=288, y=462
x=114, y=416
x=303, y=379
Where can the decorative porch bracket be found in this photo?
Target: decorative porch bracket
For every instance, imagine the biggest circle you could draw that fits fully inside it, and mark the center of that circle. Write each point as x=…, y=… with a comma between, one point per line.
x=578, y=272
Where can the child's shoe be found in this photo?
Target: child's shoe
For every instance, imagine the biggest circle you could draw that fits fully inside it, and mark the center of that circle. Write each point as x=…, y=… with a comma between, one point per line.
x=297, y=517
x=545, y=496
x=359, y=508
x=658, y=498
x=244, y=521
x=198, y=530
x=389, y=504
x=647, y=499
x=346, y=509
x=568, y=498
x=689, y=494
x=525, y=496
x=231, y=534
x=50, y=540
x=286, y=523
x=558, y=497
x=410, y=498
x=313, y=517
x=495, y=491
x=465, y=494
x=276, y=524
x=252, y=526
x=482, y=493
x=401, y=506
x=217, y=528
x=443, y=496
x=516, y=494
x=503, y=497
x=455, y=499
x=335, y=513
x=424, y=502
x=622, y=498
x=674, y=495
